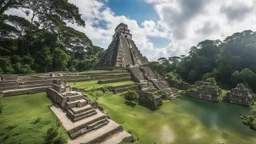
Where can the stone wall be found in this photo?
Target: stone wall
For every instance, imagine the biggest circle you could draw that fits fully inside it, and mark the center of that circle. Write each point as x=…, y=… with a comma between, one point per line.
x=32, y=90
x=240, y=95
x=56, y=97
x=205, y=91
x=149, y=100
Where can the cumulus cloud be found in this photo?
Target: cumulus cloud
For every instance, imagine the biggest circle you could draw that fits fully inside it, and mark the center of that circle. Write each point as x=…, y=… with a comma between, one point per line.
x=184, y=22
x=238, y=11
x=196, y=20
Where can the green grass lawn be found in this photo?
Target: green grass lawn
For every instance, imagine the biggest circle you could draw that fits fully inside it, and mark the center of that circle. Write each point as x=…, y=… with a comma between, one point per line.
x=88, y=85
x=25, y=119
x=129, y=115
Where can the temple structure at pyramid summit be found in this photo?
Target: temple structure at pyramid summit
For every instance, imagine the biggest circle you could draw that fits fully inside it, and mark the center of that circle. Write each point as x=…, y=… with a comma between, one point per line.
x=123, y=52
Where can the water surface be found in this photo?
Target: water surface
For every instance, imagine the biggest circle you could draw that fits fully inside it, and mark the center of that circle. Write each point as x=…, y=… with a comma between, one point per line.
x=182, y=121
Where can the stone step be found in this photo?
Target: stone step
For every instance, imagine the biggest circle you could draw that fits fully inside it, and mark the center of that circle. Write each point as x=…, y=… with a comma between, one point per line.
x=82, y=128
x=84, y=113
x=82, y=109
x=100, y=125
x=85, y=116
x=98, y=135
x=117, y=138
x=97, y=123
x=87, y=129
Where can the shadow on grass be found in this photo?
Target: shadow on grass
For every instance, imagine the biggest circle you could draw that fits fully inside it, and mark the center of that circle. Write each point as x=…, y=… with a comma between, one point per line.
x=130, y=104
x=36, y=120
x=10, y=127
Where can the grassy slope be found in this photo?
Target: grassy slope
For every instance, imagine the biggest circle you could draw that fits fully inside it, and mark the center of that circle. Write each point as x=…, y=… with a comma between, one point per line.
x=93, y=84
x=18, y=119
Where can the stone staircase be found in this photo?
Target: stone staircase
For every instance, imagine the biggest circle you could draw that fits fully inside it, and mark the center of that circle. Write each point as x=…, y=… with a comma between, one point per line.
x=148, y=73
x=137, y=74
x=86, y=124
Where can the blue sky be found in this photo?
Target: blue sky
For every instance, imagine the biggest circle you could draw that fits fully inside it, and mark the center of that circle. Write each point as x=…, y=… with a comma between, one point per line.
x=138, y=10
x=166, y=27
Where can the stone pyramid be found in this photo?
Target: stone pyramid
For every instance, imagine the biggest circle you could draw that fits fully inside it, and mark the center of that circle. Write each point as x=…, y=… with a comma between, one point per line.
x=122, y=51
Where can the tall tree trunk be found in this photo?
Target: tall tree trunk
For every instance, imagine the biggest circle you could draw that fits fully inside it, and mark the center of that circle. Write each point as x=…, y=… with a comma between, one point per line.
x=6, y=6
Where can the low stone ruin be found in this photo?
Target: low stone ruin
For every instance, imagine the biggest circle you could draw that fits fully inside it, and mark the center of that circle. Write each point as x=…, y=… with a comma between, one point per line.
x=206, y=91
x=145, y=74
x=12, y=84
x=149, y=100
x=240, y=95
x=82, y=119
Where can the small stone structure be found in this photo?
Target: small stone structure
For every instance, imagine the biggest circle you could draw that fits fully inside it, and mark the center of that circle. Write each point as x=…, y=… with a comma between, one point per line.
x=149, y=100
x=240, y=95
x=206, y=91
x=81, y=118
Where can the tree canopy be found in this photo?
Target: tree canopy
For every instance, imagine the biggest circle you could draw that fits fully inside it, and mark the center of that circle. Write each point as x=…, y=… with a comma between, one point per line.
x=229, y=62
x=42, y=41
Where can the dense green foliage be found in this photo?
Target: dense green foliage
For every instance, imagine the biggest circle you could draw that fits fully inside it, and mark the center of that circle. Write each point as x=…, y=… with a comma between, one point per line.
x=53, y=136
x=250, y=118
x=227, y=62
x=131, y=95
x=26, y=119
x=43, y=42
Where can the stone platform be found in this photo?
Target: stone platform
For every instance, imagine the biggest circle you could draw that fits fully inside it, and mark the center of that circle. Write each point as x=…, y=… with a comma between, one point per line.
x=111, y=133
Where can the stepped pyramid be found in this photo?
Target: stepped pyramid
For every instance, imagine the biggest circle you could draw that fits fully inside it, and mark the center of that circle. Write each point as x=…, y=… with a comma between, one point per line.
x=122, y=51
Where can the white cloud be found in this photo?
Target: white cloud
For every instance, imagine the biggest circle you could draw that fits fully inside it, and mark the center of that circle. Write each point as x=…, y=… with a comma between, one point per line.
x=95, y=12
x=184, y=22
x=196, y=20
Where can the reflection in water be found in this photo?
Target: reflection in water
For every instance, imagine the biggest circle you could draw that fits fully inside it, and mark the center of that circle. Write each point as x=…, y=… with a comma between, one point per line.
x=198, y=121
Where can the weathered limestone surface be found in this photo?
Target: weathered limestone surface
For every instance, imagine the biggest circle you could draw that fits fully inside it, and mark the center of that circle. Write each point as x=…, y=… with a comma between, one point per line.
x=149, y=99
x=122, y=52
x=23, y=84
x=240, y=95
x=81, y=118
x=206, y=91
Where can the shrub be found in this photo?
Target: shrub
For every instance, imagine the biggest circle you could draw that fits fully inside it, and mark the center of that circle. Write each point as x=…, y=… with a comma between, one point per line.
x=50, y=135
x=211, y=80
x=60, y=140
x=173, y=78
x=131, y=95
x=1, y=105
x=1, y=108
x=98, y=93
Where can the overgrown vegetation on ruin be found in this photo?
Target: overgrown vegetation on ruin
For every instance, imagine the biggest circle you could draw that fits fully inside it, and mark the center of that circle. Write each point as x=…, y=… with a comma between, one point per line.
x=131, y=95
x=27, y=118
x=44, y=42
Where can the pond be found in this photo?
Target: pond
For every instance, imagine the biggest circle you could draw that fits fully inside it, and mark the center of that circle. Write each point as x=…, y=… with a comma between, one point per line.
x=182, y=121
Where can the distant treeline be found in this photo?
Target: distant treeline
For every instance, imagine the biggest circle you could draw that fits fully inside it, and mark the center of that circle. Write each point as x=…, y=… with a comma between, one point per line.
x=227, y=62
x=43, y=42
